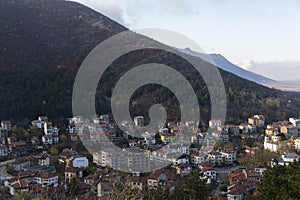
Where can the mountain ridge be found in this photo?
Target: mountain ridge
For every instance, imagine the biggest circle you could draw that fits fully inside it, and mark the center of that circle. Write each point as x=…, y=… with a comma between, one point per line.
x=43, y=43
x=223, y=63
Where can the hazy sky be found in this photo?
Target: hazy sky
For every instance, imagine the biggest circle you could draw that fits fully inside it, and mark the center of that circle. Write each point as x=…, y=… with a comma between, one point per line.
x=260, y=35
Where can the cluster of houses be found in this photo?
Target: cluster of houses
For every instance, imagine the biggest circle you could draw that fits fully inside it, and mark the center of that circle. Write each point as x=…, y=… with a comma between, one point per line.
x=38, y=173
x=282, y=134
x=50, y=132
x=151, y=149
x=18, y=147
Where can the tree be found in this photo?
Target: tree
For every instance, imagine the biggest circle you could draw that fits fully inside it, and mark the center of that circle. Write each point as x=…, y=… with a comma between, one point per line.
x=281, y=182
x=53, y=151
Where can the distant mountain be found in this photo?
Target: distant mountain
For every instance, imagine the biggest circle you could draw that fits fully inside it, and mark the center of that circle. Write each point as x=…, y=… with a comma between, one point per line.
x=44, y=42
x=221, y=62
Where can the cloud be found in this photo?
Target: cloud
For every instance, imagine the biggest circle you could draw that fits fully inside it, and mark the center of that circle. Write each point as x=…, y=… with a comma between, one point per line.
x=128, y=12
x=278, y=70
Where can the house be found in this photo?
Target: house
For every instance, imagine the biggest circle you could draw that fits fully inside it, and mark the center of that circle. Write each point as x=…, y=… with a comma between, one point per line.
x=50, y=139
x=251, y=150
x=208, y=174
x=243, y=176
x=6, y=125
x=167, y=137
x=257, y=120
x=244, y=128
x=44, y=159
x=289, y=131
x=184, y=169
x=17, y=148
x=197, y=139
x=215, y=158
x=39, y=123
x=100, y=158
x=160, y=178
x=138, y=121
x=16, y=186
x=213, y=124
x=254, y=176
x=72, y=172
x=233, y=129
x=224, y=136
x=260, y=168
x=191, y=125
x=272, y=143
x=3, y=132
x=198, y=158
x=76, y=120
x=229, y=156
x=73, y=159
x=285, y=159
x=252, y=128
x=295, y=122
x=184, y=158
x=73, y=129
x=49, y=129
x=236, y=191
x=3, y=151
x=104, y=189
x=46, y=179
x=136, y=182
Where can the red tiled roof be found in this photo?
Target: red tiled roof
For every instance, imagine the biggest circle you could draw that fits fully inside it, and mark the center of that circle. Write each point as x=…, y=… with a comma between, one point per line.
x=19, y=184
x=46, y=175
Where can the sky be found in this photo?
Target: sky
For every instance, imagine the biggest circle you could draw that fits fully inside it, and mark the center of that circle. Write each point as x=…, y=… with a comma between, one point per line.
x=262, y=36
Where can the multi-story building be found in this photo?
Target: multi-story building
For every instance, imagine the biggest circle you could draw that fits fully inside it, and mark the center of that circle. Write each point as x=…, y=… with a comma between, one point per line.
x=49, y=129
x=6, y=124
x=46, y=179
x=50, y=139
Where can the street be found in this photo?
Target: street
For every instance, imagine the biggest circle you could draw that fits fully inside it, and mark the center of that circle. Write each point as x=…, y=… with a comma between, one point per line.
x=3, y=172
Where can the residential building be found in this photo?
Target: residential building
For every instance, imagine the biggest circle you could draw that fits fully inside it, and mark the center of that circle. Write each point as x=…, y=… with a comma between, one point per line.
x=3, y=151
x=213, y=124
x=46, y=179
x=229, y=156
x=167, y=137
x=6, y=125
x=139, y=121
x=72, y=172
x=295, y=122
x=16, y=186
x=50, y=139
x=285, y=159
x=257, y=120
x=44, y=159
x=198, y=158
x=49, y=129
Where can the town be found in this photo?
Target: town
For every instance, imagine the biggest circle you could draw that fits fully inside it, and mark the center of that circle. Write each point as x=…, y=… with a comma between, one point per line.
x=47, y=159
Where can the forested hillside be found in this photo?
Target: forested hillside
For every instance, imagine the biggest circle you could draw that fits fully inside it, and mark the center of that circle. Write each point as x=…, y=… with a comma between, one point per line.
x=43, y=43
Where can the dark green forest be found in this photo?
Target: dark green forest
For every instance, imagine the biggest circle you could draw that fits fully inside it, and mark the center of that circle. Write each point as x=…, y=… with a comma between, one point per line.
x=43, y=43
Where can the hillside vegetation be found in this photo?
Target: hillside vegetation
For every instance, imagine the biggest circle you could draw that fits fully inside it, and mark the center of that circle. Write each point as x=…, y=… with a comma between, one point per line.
x=43, y=43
